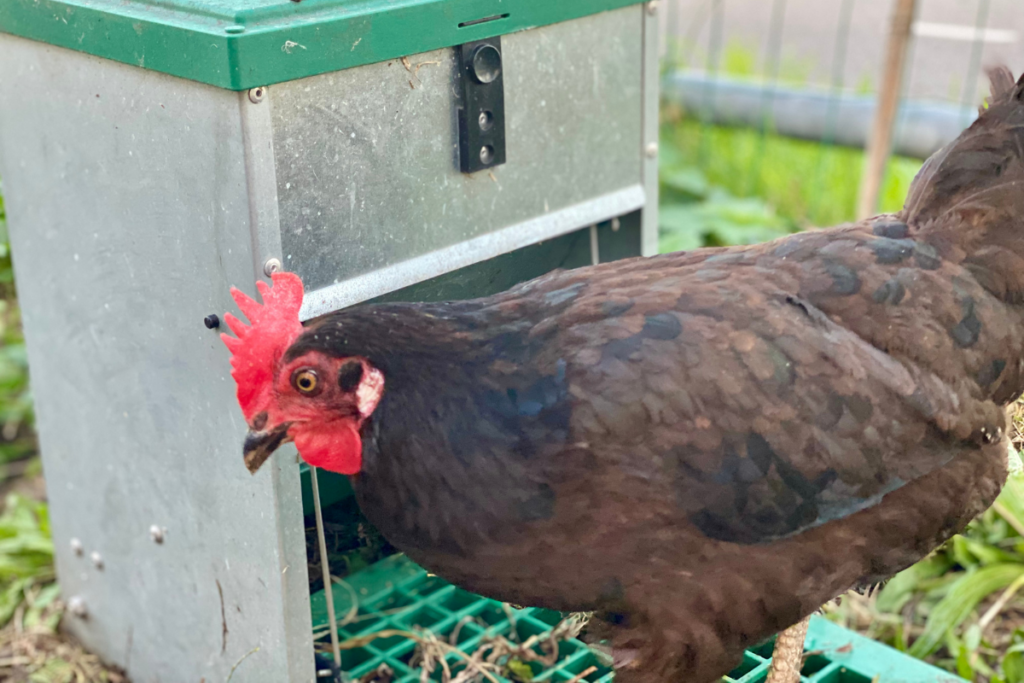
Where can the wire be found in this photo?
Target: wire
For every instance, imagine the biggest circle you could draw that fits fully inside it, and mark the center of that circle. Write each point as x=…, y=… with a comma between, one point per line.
x=974, y=66
x=770, y=81
x=325, y=565
x=835, y=95
x=714, y=55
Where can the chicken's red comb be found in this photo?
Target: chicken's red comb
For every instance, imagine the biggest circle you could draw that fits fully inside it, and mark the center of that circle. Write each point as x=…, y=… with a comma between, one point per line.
x=257, y=348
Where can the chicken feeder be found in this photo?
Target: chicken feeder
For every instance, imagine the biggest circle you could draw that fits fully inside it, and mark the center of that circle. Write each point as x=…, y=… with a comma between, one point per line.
x=156, y=152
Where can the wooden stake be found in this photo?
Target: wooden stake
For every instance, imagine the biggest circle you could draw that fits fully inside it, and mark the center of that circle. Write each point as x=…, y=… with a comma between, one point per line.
x=885, y=115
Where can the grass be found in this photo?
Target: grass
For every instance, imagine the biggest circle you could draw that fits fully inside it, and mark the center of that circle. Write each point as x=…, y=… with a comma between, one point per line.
x=32, y=649
x=17, y=438
x=723, y=185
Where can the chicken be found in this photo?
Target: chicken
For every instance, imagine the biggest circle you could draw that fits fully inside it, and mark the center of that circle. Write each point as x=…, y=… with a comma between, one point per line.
x=701, y=447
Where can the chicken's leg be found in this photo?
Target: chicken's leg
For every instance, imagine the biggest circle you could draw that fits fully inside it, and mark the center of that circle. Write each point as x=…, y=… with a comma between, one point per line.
x=788, y=655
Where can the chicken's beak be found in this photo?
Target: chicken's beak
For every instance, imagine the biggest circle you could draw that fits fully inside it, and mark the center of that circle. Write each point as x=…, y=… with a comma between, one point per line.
x=259, y=446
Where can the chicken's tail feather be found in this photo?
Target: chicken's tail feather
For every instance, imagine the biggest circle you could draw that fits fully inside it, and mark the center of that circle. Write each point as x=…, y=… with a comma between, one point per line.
x=1004, y=88
x=980, y=158
x=968, y=199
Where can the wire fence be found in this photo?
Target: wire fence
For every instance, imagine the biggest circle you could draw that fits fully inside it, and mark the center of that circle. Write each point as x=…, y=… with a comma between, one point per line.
x=952, y=38
x=811, y=70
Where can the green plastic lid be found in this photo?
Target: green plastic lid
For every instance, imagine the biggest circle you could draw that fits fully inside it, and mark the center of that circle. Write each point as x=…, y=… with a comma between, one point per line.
x=241, y=44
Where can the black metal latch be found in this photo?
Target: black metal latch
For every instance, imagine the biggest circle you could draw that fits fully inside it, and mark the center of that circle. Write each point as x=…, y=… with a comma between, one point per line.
x=482, y=110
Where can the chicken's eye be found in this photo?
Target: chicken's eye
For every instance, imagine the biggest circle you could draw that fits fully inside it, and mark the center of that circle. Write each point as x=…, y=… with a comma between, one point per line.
x=306, y=381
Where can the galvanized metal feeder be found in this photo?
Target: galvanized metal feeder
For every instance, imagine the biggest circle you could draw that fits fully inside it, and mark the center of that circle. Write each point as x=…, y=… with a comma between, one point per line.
x=155, y=152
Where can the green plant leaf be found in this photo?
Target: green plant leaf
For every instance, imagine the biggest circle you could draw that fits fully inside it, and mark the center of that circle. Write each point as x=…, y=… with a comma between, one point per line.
x=720, y=220
x=985, y=553
x=963, y=664
x=901, y=587
x=37, y=614
x=1011, y=498
x=54, y=670
x=1013, y=668
x=520, y=670
x=961, y=599
x=687, y=180
x=680, y=228
x=10, y=598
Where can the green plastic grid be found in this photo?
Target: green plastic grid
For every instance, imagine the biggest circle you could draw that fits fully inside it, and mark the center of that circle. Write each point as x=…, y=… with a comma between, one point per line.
x=333, y=487
x=395, y=593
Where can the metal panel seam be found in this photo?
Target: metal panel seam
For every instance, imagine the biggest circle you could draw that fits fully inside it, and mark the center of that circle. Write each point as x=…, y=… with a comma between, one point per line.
x=649, y=143
x=265, y=234
x=261, y=180
x=426, y=266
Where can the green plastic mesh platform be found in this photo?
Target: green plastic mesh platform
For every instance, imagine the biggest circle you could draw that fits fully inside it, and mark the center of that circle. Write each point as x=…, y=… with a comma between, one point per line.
x=397, y=594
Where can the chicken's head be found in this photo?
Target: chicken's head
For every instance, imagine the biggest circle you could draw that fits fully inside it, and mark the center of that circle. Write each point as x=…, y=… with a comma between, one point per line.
x=316, y=400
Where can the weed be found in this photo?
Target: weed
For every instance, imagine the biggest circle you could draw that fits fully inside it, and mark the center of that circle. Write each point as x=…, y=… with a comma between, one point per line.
x=777, y=183
x=17, y=438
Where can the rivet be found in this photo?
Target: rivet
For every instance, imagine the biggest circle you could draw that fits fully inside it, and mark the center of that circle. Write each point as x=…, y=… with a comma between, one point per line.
x=212, y=321
x=485, y=120
x=77, y=606
x=97, y=559
x=272, y=266
x=616, y=224
x=652, y=150
x=257, y=94
x=652, y=7
x=76, y=547
x=156, y=533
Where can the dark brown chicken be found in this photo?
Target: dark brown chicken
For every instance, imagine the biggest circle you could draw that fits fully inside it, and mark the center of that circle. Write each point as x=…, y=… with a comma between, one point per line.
x=703, y=447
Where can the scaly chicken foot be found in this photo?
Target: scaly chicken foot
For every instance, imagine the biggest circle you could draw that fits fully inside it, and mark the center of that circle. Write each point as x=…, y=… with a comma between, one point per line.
x=788, y=655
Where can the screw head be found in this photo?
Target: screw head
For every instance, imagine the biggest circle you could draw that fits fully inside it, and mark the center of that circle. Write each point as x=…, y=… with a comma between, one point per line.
x=257, y=94
x=486, y=154
x=652, y=7
x=97, y=559
x=77, y=606
x=616, y=224
x=652, y=150
x=486, y=64
x=156, y=533
x=211, y=321
x=272, y=266
x=76, y=547
x=485, y=120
